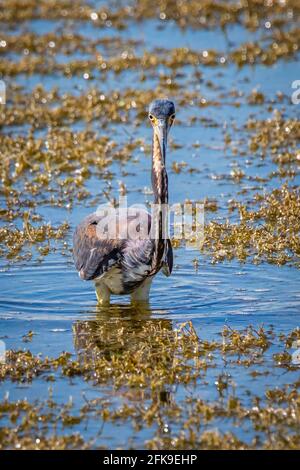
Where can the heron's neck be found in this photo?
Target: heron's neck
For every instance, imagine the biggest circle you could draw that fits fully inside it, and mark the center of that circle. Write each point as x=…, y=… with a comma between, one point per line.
x=159, y=174
x=160, y=190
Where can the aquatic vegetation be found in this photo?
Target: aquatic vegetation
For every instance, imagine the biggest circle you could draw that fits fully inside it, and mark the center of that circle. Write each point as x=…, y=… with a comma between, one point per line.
x=269, y=233
x=275, y=134
x=16, y=243
x=40, y=108
x=187, y=13
x=164, y=358
x=285, y=46
x=64, y=43
x=73, y=136
x=156, y=359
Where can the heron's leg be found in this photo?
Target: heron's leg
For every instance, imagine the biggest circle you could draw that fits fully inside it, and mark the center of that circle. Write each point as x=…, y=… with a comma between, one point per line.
x=102, y=293
x=141, y=294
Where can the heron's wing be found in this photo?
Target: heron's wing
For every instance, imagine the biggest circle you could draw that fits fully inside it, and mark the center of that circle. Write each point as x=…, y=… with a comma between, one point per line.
x=137, y=259
x=93, y=256
x=168, y=260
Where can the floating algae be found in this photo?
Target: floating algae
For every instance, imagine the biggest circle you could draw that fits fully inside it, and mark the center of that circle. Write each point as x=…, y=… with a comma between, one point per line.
x=148, y=360
x=269, y=233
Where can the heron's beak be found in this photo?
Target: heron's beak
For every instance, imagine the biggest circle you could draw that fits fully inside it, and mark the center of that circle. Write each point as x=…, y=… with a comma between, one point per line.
x=161, y=130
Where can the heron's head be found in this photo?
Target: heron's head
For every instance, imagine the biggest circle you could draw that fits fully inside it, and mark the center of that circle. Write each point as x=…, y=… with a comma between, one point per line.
x=162, y=115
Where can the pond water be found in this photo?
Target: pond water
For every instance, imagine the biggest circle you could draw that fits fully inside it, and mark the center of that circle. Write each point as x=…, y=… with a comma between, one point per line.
x=46, y=296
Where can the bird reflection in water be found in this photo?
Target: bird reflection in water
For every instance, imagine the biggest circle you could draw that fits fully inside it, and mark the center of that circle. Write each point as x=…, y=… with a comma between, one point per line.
x=120, y=329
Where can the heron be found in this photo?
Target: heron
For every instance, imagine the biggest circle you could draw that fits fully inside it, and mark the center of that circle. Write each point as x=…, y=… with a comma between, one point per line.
x=126, y=265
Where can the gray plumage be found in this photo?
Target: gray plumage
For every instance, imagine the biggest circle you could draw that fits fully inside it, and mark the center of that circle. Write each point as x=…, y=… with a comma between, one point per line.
x=126, y=264
x=130, y=258
x=161, y=108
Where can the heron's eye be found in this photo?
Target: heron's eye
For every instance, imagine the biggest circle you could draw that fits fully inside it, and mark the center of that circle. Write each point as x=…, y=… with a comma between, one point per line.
x=151, y=117
x=172, y=118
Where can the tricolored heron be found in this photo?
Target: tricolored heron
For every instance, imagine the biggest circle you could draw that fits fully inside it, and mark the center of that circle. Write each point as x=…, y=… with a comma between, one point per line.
x=127, y=266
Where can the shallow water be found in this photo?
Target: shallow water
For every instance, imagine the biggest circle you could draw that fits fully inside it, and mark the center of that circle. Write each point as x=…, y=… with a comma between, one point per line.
x=49, y=299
